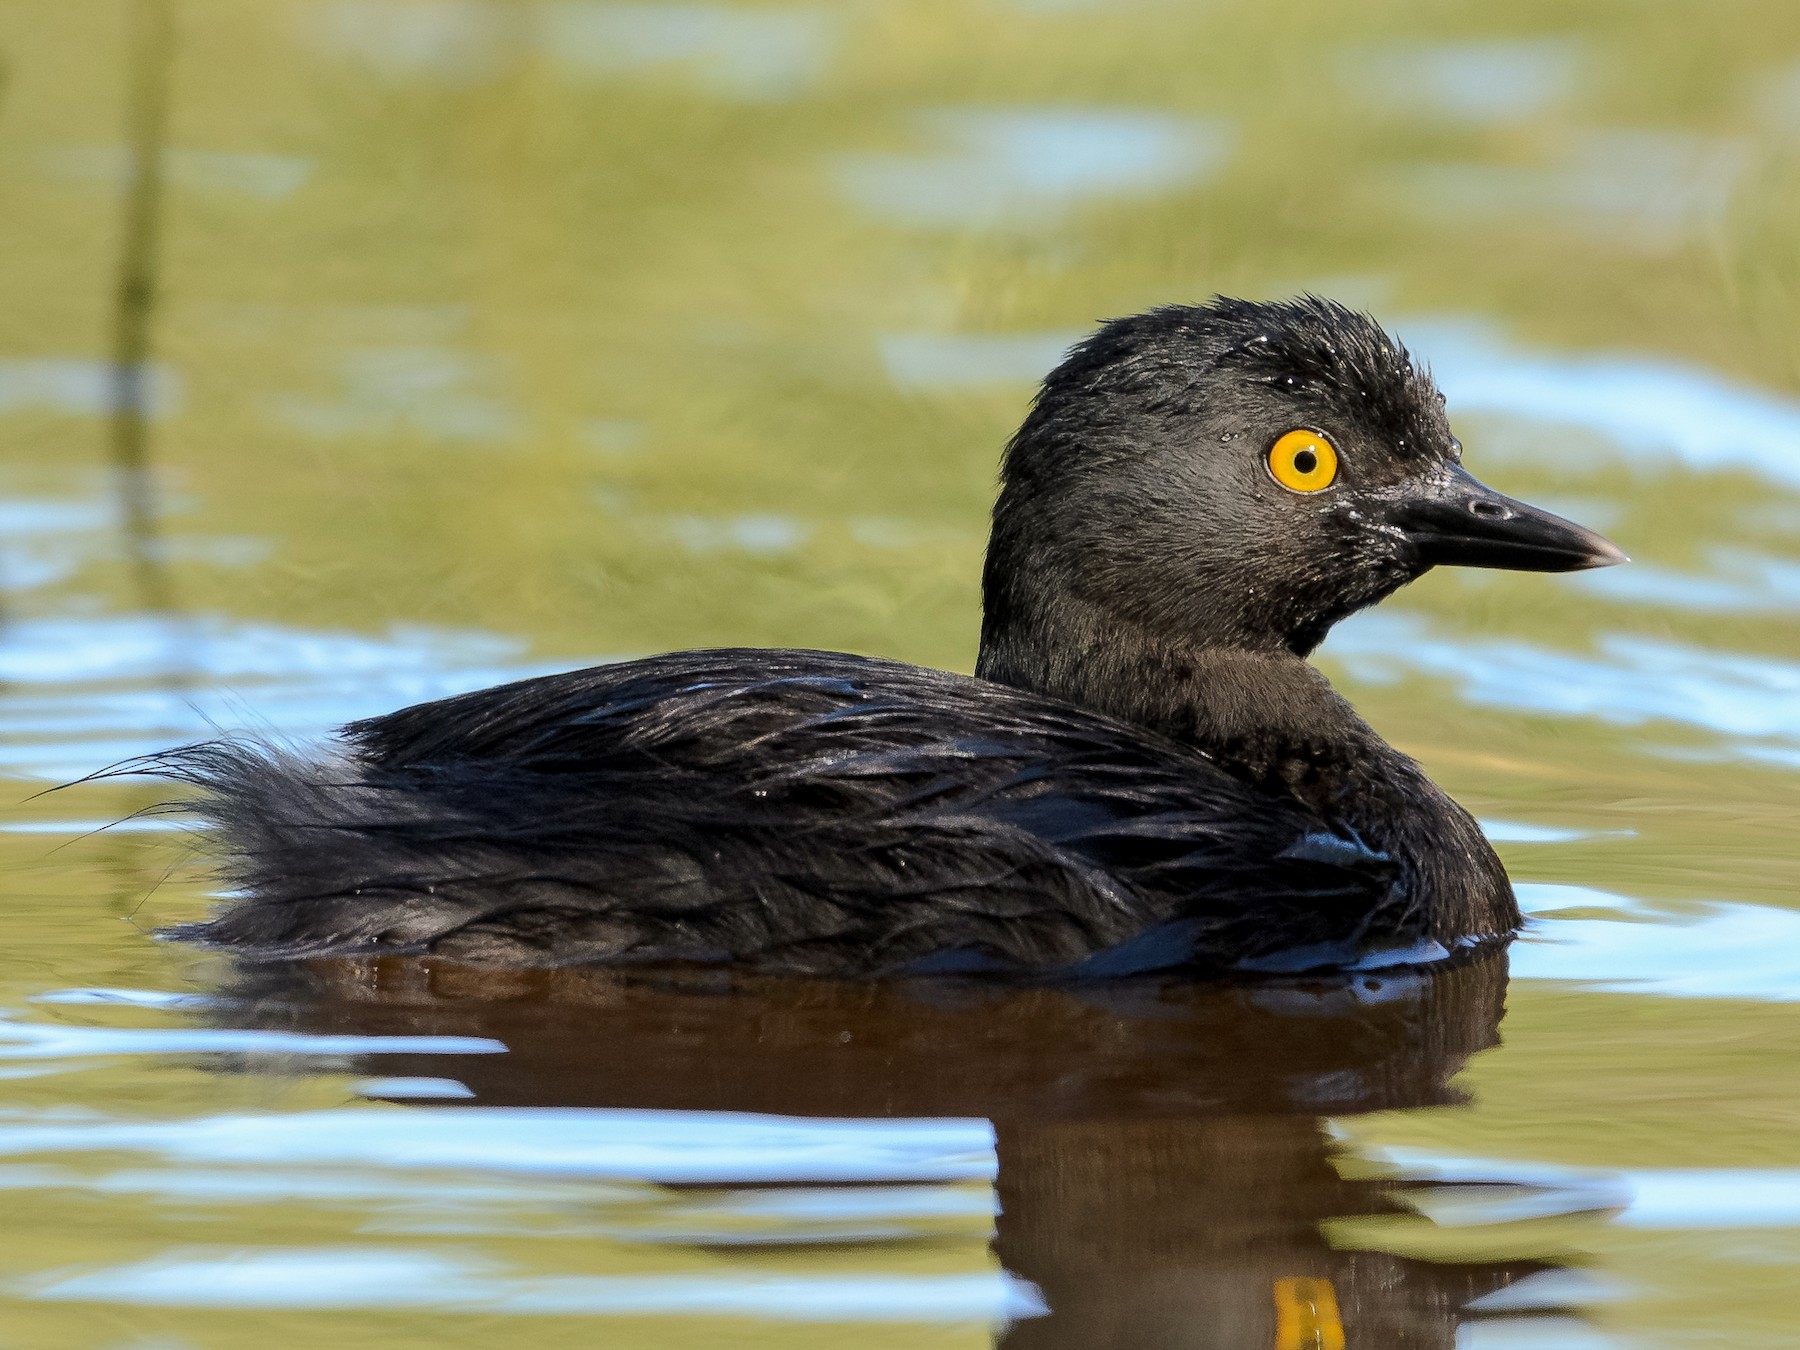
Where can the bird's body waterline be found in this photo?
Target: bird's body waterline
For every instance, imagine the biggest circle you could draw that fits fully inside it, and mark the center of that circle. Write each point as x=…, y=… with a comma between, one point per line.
x=1145, y=772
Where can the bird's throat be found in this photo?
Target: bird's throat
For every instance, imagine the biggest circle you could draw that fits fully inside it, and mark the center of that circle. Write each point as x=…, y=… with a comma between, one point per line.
x=1249, y=708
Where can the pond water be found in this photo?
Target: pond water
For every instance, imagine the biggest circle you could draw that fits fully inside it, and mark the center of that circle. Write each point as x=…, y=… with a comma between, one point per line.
x=478, y=338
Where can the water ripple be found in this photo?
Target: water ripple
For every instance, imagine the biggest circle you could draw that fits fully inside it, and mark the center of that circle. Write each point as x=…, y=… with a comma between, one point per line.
x=1626, y=680
x=1650, y=407
x=39, y=1040
x=1712, y=950
x=1652, y=1198
x=672, y=1147
x=1030, y=164
x=1486, y=84
x=117, y=686
x=374, y=1278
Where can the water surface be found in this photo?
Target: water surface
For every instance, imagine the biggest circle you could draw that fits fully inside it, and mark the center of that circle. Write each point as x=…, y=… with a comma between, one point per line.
x=478, y=338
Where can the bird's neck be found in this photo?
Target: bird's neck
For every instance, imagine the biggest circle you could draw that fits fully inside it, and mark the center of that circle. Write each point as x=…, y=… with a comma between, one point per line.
x=1239, y=703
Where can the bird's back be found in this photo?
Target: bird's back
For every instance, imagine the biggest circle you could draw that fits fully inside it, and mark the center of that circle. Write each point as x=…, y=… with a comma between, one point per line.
x=793, y=810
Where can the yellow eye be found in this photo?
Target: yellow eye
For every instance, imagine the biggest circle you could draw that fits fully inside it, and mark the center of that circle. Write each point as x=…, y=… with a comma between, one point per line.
x=1303, y=461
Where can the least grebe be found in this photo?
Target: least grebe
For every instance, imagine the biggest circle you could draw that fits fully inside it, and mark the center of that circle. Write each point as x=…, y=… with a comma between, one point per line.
x=1144, y=773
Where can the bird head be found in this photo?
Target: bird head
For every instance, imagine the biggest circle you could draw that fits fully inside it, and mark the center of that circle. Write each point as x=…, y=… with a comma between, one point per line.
x=1243, y=474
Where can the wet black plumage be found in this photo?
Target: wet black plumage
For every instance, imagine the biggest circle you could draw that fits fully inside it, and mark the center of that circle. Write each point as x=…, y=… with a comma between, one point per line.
x=1145, y=772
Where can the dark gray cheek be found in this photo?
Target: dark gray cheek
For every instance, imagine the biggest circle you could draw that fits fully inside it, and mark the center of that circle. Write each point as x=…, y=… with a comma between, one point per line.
x=1361, y=533
x=1372, y=558
x=1347, y=531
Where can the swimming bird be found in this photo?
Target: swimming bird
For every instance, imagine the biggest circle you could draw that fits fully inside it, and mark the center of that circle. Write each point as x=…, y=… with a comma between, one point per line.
x=1144, y=772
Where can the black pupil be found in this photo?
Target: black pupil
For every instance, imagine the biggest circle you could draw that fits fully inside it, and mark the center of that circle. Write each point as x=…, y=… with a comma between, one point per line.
x=1305, y=461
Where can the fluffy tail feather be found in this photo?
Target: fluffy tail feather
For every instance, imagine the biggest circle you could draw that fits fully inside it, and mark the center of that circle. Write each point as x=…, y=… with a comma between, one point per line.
x=315, y=856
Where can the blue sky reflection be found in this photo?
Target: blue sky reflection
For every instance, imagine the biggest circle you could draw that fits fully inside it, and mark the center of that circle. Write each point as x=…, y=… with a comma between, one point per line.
x=1031, y=164
x=1650, y=407
x=1484, y=84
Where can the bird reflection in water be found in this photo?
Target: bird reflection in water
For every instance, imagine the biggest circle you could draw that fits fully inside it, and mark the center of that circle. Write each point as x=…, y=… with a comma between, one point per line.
x=1165, y=1168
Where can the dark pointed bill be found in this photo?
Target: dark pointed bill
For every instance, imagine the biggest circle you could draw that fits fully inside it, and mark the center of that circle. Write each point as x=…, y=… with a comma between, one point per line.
x=1465, y=523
